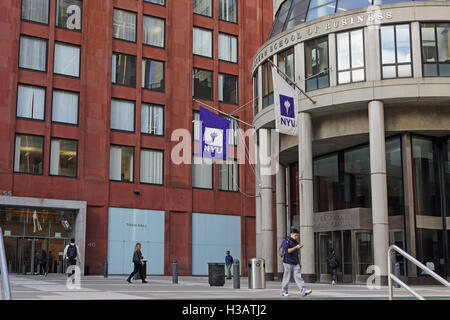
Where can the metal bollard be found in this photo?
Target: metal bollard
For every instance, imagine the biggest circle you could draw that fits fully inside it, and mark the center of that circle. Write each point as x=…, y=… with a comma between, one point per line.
x=105, y=269
x=236, y=275
x=174, y=271
x=397, y=274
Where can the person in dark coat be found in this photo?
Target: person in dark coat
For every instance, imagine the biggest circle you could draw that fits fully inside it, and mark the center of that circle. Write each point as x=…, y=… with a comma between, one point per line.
x=333, y=264
x=50, y=262
x=43, y=263
x=138, y=263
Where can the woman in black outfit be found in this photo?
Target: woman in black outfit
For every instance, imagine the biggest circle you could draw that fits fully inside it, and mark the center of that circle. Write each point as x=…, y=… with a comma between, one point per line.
x=138, y=263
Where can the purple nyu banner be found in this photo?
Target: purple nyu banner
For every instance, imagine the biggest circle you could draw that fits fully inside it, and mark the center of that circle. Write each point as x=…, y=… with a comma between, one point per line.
x=213, y=135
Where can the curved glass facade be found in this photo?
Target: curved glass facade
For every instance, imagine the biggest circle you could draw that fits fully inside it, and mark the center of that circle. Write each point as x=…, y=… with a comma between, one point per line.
x=294, y=12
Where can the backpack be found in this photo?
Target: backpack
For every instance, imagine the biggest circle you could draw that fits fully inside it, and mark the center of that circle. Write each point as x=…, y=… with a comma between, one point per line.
x=281, y=250
x=332, y=263
x=72, y=252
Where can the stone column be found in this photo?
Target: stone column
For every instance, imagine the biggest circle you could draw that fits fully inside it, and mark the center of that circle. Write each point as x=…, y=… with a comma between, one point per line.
x=305, y=170
x=281, y=213
x=379, y=186
x=258, y=204
x=266, y=201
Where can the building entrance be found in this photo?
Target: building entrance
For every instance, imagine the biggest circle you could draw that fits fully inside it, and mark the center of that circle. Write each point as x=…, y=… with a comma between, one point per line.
x=354, y=249
x=32, y=234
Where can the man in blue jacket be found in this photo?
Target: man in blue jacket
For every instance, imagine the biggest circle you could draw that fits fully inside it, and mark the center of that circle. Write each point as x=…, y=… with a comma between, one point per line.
x=228, y=263
x=292, y=265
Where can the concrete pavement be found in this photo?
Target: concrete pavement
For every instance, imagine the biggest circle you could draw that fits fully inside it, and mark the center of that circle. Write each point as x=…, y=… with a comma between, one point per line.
x=54, y=287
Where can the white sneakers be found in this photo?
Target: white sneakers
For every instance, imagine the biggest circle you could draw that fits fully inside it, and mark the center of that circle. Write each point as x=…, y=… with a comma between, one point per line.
x=333, y=283
x=306, y=292
x=303, y=293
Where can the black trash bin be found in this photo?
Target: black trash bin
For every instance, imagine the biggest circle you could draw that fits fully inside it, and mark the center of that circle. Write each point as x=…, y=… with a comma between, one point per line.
x=86, y=270
x=137, y=275
x=216, y=274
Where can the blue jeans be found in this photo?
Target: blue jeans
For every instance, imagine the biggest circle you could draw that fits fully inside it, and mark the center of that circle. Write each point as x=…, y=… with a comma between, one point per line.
x=333, y=274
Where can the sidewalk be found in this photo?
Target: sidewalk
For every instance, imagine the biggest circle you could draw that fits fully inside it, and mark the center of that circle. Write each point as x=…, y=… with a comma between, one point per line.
x=53, y=287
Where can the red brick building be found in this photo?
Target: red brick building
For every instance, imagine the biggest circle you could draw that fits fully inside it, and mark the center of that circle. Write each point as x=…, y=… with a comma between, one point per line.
x=73, y=88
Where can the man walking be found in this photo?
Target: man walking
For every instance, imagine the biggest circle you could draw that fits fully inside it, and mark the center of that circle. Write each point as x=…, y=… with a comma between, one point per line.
x=72, y=255
x=228, y=263
x=292, y=264
x=333, y=264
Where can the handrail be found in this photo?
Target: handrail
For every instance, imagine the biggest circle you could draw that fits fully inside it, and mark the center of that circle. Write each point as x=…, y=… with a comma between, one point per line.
x=417, y=263
x=4, y=269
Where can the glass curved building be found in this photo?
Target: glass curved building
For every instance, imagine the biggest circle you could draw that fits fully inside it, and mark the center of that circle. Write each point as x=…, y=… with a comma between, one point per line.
x=370, y=166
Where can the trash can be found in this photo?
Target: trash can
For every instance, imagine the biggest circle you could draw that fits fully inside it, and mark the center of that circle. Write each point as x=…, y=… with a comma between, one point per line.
x=216, y=274
x=137, y=275
x=256, y=275
x=86, y=270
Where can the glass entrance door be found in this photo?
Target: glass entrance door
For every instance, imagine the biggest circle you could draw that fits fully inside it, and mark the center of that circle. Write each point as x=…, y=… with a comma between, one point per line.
x=30, y=249
x=396, y=238
x=346, y=257
x=364, y=254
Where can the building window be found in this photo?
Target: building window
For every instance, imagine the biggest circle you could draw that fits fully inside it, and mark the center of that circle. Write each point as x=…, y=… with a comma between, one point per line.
x=267, y=85
x=228, y=10
x=160, y=2
x=286, y=64
x=153, y=75
x=202, y=42
x=203, y=7
x=121, y=163
x=124, y=69
x=350, y=56
x=228, y=88
x=63, y=157
x=69, y=14
x=35, y=10
x=203, y=84
x=326, y=183
x=196, y=125
x=255, y=94
x=436, y=49
x=447, y=180
x=67, y=60
x=122, y=115
x=153, y=31
x=321, y=8
x=29, y=154
x=124, y=25
x=202, y=173
x=152, y=166
x=426, y=176
x=317, y=64
x=30, y=102
x=65, y=107
x=233, y=133
x=229, y=176
x=33, y=53
x=396, y=51
x=228, y=50
x=357, y=188
x=394, y=176
x=152, y=119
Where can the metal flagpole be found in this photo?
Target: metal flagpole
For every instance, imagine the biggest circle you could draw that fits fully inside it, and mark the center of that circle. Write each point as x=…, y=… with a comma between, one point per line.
x=290, y=80
x=224, y=113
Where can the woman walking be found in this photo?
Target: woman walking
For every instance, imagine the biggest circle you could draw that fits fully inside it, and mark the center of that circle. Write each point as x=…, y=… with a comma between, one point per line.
x=138, y=263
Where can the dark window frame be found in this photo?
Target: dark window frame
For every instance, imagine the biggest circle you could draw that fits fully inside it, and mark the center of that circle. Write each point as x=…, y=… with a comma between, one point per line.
x=437, y=63
x=396, y=64
x=164, y=74
x=212, y=43
x=134, y=163
x=135, y=26
x=43, y=153
x=134, y=115
x=79, y=59
x=78, y=111
x=212, y=84
x=163, y=122
x=64, y=28
x=237, y=14
x=119, y=84
x=163, y=47
x=237, y=88
x=45, y=100
x=316, y=77
x=46, y=54
x=32, y=21
x=350, y=58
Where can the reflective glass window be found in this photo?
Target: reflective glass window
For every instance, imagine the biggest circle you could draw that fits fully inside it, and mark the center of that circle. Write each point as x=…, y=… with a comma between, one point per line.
x=396, y=51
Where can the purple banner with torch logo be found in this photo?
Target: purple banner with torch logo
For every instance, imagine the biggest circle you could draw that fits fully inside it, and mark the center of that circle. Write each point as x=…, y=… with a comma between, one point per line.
x=213, y=132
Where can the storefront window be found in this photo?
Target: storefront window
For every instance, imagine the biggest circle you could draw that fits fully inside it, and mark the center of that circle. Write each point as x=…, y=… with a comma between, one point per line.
x=426, y=186
x=394, y=171
x=364, y=254
x=357, y=193
x=431, y=250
